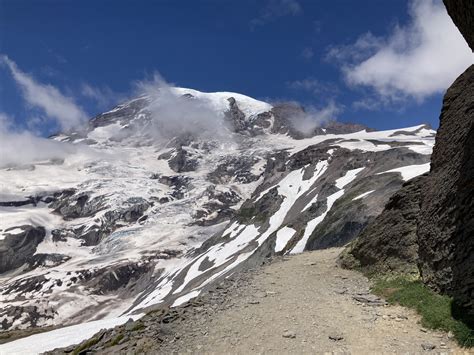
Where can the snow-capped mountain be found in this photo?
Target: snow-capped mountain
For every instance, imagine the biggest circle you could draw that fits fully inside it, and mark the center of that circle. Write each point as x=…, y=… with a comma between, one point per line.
x=166, y=194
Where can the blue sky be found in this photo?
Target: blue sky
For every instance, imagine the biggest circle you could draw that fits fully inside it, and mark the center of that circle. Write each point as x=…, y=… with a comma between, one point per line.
x=359, y=57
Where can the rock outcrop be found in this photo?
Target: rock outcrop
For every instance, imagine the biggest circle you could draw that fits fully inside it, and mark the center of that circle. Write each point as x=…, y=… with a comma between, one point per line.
x=19, y=245
x=389, y=243
x=445, y=230
x=446, y=226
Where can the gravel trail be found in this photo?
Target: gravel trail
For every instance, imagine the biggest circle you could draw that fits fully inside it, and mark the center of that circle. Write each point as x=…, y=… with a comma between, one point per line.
x=307, y=304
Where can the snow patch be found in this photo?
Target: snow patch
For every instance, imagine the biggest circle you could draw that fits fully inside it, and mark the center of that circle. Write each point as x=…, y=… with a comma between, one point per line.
x=361, y=196
x=283, y=236
x=62, y=337
x=409, y=172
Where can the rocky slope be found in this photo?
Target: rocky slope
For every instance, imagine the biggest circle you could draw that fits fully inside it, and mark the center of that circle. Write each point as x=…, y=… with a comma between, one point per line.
x=162, y=198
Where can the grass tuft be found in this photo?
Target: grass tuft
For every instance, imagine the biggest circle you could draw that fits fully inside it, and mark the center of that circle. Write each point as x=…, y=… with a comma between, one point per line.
x=437, y=311
x=116, y=340
x=85, y=346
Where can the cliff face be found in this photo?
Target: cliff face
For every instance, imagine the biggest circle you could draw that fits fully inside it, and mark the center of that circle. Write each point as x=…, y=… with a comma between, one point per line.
x=444, y=227
x=389, y=243
x=446, y=224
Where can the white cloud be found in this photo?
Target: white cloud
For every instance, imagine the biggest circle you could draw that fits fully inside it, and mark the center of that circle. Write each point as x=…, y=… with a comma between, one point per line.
x=55, y=105
x=415, y=61
x=314, y=117
x=276, y=9
x=173, y=115
x=19, y=148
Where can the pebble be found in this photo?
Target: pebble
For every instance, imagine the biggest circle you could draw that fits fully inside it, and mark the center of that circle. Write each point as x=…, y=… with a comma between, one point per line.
x=288, y=334
x=428, y=346
x=336, y=337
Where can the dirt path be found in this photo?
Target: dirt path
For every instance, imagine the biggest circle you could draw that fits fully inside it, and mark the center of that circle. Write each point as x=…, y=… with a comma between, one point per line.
x=306, y=304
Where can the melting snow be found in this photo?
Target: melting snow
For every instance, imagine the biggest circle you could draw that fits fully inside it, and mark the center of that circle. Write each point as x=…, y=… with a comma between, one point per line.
x=361, y=196
x=283, y=236
x=311, y=226
x=411, y=171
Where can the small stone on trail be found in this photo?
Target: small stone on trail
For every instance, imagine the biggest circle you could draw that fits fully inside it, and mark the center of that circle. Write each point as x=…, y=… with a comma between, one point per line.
x=369, y=299
x=336, y=337
x=254, y=302
x=288, y=334
x=428, y=347
x=450, y=335
x=423, y=330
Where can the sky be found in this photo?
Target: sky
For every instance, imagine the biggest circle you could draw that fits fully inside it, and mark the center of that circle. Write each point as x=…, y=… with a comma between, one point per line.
x=382, y=63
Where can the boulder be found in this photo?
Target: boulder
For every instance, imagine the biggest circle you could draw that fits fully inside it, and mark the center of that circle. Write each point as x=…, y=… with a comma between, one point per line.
x=17, y=249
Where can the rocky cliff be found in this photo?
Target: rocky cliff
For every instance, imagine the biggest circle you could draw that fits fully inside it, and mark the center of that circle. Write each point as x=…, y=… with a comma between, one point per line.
x=389, y=243
x=445, y=199
x=446, y=226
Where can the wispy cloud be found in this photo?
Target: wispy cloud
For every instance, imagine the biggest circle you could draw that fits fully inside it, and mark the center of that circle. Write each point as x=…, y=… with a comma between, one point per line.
x=103, y=96
x=414, y=61
x=275, y=9
x=19, y=147
x=56, y=106
x=313, y=117
x=174, y=114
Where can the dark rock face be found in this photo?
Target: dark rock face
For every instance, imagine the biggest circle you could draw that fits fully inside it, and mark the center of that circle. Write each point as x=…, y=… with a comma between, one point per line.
x=462, y=13
x=182, y=161
x=18, y=248
x=238, y=168
x=446, y=229
x=389, y=243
